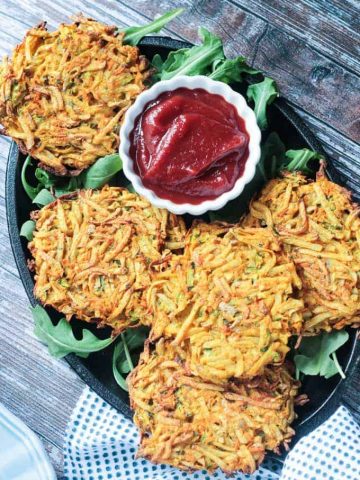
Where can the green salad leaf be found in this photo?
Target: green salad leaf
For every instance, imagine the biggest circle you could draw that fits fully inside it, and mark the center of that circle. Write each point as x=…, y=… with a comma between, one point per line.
x=133, y=35
x=196, y=60
x=50, y=186
x=101, y=172
x=27, y=229
x=272, y=156
x=57, y=185
x=118, y=375
x=71, y=184
x=262, y=94
x=125, y=354
x=317, y=354
x=275, y=158
x=44, y=197
x=60, y=338
x=298, y=160
x=231, y=70
x=46, y=179
x=29, y=189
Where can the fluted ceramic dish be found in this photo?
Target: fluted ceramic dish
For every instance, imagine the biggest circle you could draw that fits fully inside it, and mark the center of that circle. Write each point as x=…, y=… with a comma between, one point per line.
x=191, y=83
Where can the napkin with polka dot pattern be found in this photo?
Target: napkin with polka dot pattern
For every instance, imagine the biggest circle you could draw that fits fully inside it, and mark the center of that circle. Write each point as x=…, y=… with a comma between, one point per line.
x=100, y=444
x=331, y=452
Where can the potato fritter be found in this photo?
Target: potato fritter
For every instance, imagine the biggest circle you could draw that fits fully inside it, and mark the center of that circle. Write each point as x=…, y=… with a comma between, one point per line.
x=94, y=251
x=64, y=93
x=192, y=424
x=320, y=228
x=227, y=301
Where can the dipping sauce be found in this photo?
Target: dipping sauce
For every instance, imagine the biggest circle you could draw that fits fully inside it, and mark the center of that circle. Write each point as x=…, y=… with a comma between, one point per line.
x=189, y=146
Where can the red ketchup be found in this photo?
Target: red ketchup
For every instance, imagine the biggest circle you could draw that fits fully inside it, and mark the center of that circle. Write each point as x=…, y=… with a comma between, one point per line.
x=189, y=146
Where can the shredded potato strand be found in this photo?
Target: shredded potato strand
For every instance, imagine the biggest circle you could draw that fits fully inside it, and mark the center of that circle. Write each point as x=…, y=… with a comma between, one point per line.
x=63, y=94
x=94, y=252
x=227, y=301
x=319, y=227
x=192, y=425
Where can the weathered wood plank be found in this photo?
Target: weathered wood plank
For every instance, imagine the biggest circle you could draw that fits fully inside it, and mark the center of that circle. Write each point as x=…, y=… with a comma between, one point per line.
x=315, y=65
x=38, y=389
x=56, y=456
x=249, y=41
x=331, y=29
x=340, y=151
x=309, y=79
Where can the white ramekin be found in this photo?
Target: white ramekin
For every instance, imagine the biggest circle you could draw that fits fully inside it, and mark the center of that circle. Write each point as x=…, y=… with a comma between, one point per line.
x=211, y=86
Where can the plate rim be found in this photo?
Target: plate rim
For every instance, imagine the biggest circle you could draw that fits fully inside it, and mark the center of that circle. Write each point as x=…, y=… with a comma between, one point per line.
x=325, y=410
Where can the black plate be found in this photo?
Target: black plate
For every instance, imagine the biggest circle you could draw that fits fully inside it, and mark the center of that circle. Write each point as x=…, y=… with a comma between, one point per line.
x=325, y=395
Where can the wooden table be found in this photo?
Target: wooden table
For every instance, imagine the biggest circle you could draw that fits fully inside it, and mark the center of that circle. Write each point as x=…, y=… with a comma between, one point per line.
x=310, y=47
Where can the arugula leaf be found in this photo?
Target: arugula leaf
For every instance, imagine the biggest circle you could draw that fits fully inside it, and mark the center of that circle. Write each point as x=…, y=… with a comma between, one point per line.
x=317, y=354
x=262, y=94
x=29, y=189
x=58, y=185
x=118, y=374
x=128, y=360
x=196, y=60
x=101, y=171
x=27, y=229
x=124, y=367
x=231, y=70
x=60, y=338
x=135, y=337
x=44, y=197
x=46, y=179
x=67, y=187
x=272, y=155
x=275, y=159
x=298, y=160
x=133, y=35
x=157, y=62
x=124, y=356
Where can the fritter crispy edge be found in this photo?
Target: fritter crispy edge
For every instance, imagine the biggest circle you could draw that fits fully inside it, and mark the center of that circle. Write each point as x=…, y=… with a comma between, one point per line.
x=64, y=93
x=192, y=424
x=94, y=251
x=228, y=301
x=320, y=229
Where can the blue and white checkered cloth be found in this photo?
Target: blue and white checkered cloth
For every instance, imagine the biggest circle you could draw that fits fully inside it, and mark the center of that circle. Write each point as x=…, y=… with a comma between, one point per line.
x=100, y=444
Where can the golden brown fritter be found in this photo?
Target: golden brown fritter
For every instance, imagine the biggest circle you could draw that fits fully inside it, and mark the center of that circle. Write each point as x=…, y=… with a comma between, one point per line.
x=192, y=424
x=63, y=94
x=94, y=251
x=228, y=302
x=320, y=228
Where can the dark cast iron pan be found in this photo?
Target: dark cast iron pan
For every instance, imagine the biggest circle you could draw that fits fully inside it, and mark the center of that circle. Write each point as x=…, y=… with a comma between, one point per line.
x=325, y=395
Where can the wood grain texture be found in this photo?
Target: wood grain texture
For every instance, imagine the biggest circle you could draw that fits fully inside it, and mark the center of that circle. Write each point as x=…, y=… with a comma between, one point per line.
x=37, y=388
x=332, y=28
x=306, y=76
x=311, y=47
